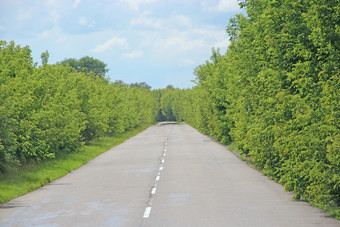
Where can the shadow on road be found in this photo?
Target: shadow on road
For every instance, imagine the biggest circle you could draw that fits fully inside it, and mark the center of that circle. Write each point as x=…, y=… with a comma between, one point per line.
x=163, y=123
x=13, y=205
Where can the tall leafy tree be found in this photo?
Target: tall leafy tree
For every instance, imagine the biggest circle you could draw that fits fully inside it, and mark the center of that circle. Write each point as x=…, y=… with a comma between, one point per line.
x=87, y=64
x=44, y=57
x=141, y=85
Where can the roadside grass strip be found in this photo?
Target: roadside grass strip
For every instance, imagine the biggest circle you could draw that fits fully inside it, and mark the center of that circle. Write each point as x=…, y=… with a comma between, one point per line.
x=20, y=180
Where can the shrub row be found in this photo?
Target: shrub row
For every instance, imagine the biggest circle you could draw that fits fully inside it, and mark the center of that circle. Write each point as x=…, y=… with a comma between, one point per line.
x=52, y=109
x=275, y=94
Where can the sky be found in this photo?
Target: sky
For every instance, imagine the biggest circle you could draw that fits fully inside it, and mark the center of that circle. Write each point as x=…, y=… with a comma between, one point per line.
x=159, y=42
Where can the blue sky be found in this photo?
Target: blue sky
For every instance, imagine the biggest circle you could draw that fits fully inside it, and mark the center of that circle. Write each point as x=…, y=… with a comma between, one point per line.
x=159, y=42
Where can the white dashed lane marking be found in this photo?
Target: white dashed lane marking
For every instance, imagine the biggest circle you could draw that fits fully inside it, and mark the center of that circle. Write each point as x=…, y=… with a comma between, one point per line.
x=153, y=191
x=147, y=212
x=154, y=188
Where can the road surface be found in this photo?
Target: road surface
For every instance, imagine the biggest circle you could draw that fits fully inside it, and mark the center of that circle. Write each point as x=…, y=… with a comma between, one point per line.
x=168, y=175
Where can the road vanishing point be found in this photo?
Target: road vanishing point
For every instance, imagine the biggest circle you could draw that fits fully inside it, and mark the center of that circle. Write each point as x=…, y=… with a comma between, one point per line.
x=168, y=175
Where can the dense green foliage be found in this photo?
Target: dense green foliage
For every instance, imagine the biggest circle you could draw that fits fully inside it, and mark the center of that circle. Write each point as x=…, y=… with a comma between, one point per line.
x=85, y=64
x=275, y=94
x=49, y=110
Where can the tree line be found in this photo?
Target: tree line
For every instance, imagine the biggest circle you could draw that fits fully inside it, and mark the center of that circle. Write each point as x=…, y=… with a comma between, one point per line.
x=275, y=94
x=54, y=109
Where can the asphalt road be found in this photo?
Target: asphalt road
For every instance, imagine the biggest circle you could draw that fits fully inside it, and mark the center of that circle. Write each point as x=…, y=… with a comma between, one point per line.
x=169, y=175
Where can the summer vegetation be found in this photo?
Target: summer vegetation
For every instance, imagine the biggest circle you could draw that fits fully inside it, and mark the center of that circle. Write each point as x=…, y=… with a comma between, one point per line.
x=50, y=110
x=274, y=95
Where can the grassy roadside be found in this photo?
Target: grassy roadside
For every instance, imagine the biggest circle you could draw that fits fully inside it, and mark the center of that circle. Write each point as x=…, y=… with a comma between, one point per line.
x=20, y=180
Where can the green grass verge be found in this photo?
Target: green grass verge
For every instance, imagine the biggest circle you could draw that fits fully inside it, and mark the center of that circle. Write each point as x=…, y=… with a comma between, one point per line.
x=20, y=180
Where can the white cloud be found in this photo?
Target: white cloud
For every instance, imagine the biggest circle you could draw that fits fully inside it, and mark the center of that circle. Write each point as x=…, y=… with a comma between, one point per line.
x=222, y=45
x=146, y=22
x=180, y=21
x=209, y=33
x=110, y=44
x=54, y=17
x=76, y=3
x=53, y=6
x=221, y=6
x=82, y=20
x=177, y=21
x=179, y=44
x=135, y=4
x=24, y=15
x=178, y=48
x=51, y=33
x=133, y=54
x=190, y=40
x=185, y=46
x=3, y=28
x=52, y=3
x=187, y=61
x=86, y=22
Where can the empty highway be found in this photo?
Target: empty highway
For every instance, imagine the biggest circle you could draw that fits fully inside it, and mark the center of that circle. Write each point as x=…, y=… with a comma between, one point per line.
x=168, y=175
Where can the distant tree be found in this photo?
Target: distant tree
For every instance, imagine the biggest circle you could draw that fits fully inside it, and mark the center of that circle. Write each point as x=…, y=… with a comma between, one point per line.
x=170, y=86
x=74, y=63
x=141, y=85
x=87, y=64
x=216, y=56
x=44, y=57
x=120, y=83
x=94, y=65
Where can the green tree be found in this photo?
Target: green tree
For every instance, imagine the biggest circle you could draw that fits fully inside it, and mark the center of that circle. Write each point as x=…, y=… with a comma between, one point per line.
x=87, y=64
x=44, y=57
x=141, y=85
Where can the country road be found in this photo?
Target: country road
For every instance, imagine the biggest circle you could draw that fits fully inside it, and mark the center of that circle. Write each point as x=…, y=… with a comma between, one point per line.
x=168, y=175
